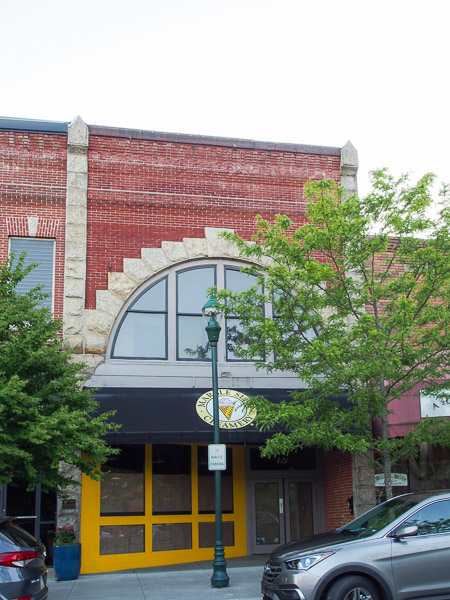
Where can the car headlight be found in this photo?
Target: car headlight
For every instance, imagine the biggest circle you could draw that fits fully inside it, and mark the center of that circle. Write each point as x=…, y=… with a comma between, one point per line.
x=303, y=563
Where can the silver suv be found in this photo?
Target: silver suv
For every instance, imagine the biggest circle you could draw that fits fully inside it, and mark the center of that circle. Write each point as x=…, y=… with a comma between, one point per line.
x=23, y=575
x=396, y=551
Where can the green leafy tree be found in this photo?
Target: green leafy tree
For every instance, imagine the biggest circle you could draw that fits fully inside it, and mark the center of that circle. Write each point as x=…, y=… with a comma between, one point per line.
x=45, y=415
x=360, y=298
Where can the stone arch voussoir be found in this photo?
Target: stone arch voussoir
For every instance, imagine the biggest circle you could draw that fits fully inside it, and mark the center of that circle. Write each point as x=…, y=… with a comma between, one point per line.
x=99, y=321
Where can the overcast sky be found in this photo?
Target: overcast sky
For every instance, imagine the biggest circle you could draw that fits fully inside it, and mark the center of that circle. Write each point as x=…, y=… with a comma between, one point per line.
x=310, y=72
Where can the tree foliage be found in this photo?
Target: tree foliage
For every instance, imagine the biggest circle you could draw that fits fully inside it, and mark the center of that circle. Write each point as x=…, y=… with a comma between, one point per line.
x=45, y=415
x=360, y=297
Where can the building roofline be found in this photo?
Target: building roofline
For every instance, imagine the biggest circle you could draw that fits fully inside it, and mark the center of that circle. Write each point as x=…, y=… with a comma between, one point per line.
x=33, y=125
x=184, y=138
x=61, y=127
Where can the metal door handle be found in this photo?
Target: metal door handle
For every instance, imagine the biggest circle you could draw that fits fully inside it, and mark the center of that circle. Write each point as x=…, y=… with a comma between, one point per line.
x=281, y=505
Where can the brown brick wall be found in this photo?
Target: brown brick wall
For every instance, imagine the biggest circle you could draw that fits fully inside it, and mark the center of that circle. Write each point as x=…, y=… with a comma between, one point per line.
x=32, y=184
x=337, y=473
x=142, y=192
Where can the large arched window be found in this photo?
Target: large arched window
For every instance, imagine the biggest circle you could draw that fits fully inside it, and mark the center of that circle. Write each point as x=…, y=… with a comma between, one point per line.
x=164, y=320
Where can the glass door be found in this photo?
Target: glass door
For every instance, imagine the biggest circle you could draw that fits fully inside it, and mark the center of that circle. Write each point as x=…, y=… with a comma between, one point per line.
x=282, y=511
x=268, y=529
x=300, y=509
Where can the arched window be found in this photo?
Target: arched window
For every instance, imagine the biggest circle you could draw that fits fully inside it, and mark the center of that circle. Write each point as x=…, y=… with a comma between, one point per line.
x=143, y=331
x=164, y=320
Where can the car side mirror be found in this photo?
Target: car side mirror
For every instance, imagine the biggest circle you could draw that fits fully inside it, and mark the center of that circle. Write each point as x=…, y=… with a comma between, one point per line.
x=405, y=531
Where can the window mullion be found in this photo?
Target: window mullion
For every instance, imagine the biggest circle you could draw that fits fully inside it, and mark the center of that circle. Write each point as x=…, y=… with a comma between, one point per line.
x=220, y=285
x=172, y=334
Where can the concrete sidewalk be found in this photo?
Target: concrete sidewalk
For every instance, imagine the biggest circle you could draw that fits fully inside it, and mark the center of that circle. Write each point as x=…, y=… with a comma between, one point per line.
x=190, y=582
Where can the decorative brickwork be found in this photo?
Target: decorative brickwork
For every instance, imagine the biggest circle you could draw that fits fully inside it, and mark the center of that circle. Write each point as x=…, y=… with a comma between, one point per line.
x=32, y=227
x=98, y=322
x=143, y=192
x=155, y=201
x=17, y=226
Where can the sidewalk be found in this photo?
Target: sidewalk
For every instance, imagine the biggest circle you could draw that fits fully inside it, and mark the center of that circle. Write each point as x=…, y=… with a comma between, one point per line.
x=190, y=582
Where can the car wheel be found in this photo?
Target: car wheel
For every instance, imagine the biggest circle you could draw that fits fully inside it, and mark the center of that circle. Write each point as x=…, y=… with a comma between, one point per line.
x=353, y=588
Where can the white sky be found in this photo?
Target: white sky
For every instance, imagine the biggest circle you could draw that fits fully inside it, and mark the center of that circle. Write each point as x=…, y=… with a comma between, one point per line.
x=301, y=71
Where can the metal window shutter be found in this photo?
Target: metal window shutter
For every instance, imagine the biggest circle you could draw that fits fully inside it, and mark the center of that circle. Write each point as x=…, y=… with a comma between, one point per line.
x=41, y=252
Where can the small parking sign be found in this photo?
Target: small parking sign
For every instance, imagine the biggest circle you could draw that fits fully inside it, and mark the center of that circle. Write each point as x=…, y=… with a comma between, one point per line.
x=217, y=457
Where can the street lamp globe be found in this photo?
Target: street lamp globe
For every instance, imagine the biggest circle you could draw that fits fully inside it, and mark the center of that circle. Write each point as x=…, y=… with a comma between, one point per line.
x=211, y=313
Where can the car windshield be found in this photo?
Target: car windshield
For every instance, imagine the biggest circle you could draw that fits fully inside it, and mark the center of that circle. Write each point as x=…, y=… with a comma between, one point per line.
x=379, y=517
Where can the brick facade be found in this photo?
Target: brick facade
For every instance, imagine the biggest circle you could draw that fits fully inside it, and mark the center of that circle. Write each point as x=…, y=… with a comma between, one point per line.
x=123, y=205
x=142, y=192
x=33, y=194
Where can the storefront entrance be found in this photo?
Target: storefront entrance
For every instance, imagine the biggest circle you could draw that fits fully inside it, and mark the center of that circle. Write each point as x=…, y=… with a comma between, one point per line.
x=283, y=510
x=155, y=505
x=285, y=498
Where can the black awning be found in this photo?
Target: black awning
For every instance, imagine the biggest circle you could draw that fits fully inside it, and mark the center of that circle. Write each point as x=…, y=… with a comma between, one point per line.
x=169, y=415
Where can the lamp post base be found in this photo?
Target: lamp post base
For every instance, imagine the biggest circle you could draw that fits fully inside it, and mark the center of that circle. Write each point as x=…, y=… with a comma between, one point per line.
x=219, y=577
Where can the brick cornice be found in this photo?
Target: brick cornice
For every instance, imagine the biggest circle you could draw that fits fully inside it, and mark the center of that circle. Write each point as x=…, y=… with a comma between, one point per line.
x=183, y=138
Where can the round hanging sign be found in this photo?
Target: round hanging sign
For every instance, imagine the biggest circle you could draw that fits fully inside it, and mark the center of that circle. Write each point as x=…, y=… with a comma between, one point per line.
x=233, y=413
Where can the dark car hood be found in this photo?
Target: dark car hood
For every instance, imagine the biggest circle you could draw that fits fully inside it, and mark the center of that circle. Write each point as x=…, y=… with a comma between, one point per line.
x=314, y=542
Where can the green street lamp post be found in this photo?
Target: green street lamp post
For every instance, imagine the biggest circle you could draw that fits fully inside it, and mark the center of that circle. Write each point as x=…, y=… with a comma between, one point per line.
x=219, y=577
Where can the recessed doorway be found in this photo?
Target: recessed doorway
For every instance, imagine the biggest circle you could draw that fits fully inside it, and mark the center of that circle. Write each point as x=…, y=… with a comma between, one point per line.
x=282, y=511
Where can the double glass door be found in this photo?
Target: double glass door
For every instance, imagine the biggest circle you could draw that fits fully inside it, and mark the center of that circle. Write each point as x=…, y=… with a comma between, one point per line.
x=283, y=510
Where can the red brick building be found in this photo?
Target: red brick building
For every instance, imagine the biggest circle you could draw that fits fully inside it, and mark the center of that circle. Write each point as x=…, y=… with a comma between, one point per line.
x=128, y=224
